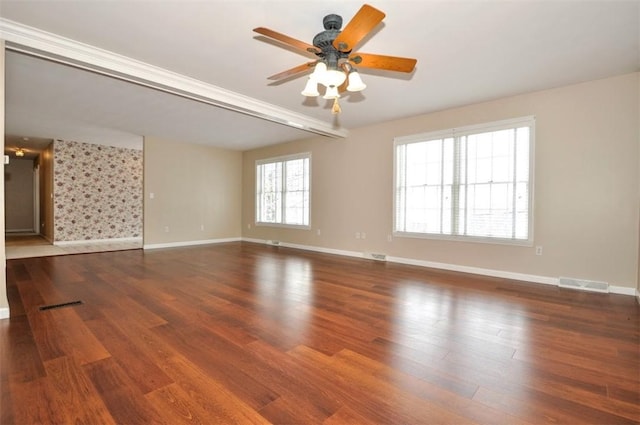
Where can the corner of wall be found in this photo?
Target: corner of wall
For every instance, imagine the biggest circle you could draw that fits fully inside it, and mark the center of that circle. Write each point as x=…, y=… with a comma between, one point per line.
x=4, y=301
x=638, y=172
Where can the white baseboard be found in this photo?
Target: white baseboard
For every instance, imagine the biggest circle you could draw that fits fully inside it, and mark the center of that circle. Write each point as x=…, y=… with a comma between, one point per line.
x=546, y=280
x=4, y=313
x=252, y=240
x=307, y=248
x=189, y=243
x=323, y=250
x=622, y=290
x=97, y=241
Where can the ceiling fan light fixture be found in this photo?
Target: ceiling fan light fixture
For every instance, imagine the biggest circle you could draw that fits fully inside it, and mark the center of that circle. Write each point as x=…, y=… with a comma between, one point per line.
x=311, y=88
x=319, y=71
x=19, y=152
x=333, y=77
x=355, y=82
x=331, y=93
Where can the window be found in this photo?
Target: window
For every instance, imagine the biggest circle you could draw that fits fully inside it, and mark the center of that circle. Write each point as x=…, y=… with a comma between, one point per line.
x=466, y=183
x=282, y=190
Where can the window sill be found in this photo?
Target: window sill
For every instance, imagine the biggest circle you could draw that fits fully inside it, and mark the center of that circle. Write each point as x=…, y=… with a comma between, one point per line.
x=472, y=239
x=284, y=226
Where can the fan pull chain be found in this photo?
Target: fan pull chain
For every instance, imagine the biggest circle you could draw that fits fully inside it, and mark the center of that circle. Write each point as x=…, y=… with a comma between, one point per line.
x=336, y=107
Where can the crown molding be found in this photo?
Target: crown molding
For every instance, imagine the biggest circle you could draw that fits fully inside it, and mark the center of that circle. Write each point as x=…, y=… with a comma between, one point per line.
x=32, y=41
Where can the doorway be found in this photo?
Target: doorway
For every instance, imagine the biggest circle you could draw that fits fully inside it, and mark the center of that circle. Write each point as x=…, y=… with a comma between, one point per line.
x=27, y=175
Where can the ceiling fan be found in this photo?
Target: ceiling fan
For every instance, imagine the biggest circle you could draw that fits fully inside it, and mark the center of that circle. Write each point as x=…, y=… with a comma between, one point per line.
x=335, y=66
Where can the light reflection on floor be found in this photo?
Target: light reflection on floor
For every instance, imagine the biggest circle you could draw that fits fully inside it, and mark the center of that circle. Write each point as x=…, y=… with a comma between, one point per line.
x=485, y=329
x=287, y=284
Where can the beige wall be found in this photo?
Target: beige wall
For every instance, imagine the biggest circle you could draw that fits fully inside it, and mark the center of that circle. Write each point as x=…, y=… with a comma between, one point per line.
x=4, y=303
x=18, y=195
x=194, y=187
x=586, y=186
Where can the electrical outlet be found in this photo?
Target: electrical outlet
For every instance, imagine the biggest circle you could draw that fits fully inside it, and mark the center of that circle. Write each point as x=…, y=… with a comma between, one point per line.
x=357, y=235
x=318, y=232
x=166, y=229
x=538, y=250
x=202, y=227
x=364, y=235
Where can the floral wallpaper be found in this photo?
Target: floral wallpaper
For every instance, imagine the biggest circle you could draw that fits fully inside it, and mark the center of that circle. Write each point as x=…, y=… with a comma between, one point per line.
x=97, y=192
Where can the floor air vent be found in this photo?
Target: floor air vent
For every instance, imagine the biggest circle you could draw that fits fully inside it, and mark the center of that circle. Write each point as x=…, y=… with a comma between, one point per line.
x=585, y=285
x=52, y=306
x=375, y=256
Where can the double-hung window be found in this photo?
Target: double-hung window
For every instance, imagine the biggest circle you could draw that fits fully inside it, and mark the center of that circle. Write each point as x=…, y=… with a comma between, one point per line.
x=282, y=190
x=470, y=183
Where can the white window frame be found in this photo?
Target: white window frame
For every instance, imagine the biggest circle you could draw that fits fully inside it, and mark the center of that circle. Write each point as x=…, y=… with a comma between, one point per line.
x=258, y=206
x=459, y=132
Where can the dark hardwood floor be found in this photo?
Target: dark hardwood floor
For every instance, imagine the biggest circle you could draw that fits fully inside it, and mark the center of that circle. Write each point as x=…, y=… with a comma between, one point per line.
x=246, y=333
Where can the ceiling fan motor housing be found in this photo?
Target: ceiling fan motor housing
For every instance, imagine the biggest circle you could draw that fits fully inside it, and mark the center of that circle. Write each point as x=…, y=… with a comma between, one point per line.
x=324, y=41
x=332, y=22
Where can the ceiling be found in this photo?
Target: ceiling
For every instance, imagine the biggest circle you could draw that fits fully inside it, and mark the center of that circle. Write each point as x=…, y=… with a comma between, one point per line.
x=467, y=52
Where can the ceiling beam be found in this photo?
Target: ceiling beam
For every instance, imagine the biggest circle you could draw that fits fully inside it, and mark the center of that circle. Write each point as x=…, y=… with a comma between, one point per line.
x=33, y=41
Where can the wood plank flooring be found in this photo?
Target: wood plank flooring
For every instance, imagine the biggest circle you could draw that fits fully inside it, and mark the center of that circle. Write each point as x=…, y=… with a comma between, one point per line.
x=241, y=333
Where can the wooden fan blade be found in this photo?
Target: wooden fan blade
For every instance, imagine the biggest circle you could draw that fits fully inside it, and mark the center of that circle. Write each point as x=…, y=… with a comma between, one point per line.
x=389, y=63
x=360, y=25
x=293, y=71
x=300, y=45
